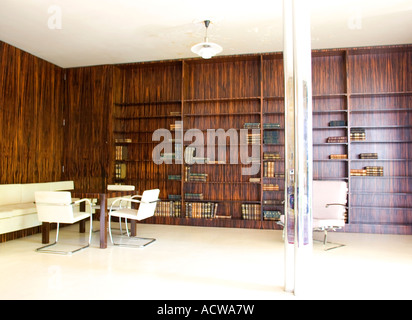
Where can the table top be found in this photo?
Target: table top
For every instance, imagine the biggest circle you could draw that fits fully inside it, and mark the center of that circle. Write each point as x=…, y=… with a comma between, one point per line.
x=98, y=194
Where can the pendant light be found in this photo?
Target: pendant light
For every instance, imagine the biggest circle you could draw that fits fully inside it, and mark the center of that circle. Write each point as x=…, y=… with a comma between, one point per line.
x=206, y=49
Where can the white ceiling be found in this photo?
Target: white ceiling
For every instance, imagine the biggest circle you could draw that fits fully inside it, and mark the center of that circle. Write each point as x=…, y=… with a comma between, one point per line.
x=95, y=32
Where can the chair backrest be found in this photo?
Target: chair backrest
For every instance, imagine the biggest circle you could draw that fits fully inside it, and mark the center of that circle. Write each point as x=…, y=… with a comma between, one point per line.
x=54, y=206
x=147, y=209
x=329, y=192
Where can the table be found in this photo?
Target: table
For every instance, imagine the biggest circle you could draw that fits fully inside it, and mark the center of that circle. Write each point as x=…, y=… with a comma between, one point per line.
x=102, y=199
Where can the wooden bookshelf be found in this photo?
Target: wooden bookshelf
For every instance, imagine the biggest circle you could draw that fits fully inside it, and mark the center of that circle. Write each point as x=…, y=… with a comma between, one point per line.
x=367, y=90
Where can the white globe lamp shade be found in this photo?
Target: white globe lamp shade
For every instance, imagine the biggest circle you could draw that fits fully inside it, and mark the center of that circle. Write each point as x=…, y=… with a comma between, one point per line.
x=207, y=49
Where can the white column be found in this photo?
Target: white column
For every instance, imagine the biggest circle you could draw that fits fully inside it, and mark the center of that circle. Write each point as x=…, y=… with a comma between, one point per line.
x=298, y=144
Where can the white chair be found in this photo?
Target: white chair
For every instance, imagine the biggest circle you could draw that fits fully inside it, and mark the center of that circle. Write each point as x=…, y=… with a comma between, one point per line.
x=57, y=207
x=146, y=209
x=329, y=207
x=329, y=201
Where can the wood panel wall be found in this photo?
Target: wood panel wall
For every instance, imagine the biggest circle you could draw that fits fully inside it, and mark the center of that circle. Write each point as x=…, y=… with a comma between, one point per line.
x=31, y=131
x=87, y=141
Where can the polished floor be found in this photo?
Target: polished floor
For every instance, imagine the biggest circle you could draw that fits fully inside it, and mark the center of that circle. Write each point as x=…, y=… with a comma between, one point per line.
x=206, y=263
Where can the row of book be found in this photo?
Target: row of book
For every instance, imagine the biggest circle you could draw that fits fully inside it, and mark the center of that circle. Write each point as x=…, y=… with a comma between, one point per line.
x=361, y=156
x=250, y=211
x=270, y=137
x=193, y=196
x=201, y=177
x=357, y=134
x=367, y=171
x=274, y=202
x=123, y=140
x=271, y=156
x=271, y=215
x=337, y=123
x=177, y=177
x=253, y=138
x=120, y=171
x=206, y=210
x=256, y=125
x=270, y=187
x=190, y=176
x=269, y=170
x=121, y=153
x=168, y=209
x=374, y=171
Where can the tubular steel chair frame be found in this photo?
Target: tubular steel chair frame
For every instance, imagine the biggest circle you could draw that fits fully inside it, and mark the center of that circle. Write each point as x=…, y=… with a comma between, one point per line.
x=147, y=206
x=71, y=217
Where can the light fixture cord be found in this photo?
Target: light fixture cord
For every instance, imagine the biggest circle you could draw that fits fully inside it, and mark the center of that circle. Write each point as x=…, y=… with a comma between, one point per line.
x=207, y=22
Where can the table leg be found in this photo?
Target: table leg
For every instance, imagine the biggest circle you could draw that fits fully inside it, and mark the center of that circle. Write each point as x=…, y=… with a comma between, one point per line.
x=45, y=232
x=133, y=223
x=82, y=223
x=103, y=221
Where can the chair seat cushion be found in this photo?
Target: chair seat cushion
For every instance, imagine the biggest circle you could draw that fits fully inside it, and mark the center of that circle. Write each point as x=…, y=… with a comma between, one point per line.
x=77, y=216
x=324, y=224
x=13, y=210
x=125, y=213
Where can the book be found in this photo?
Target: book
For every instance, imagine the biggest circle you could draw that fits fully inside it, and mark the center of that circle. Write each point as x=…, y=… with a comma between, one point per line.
x=270, y=187
x=271, y=215
x=338, y=156
x=271, y=125
x=374, y=171
x=250, y=211
x=271, y=156
x=251, y=125
x=368, y=156
x=340, y=139
x=358, y=172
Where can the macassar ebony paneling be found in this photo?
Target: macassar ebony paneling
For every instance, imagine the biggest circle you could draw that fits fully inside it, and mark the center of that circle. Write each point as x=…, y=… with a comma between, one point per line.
x=31, y=132
x=87, y=139
x=380, y=71
x=235, y=78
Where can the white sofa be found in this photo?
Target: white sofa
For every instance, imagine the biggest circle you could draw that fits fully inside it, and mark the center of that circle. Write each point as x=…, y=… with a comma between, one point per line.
x=17, y=207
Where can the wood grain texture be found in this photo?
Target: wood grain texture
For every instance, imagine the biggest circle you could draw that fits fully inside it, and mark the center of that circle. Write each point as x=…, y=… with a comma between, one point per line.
x=31, y=132
x=87, y=140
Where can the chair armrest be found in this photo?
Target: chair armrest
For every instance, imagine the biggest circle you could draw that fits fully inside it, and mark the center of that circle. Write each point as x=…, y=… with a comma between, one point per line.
x=131, y=200
x=83, y=200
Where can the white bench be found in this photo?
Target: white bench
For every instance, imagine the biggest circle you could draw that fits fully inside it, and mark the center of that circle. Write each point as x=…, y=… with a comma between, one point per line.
x=17, y=207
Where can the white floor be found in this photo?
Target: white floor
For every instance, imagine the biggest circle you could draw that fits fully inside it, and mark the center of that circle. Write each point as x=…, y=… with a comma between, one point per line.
x=206, y=263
